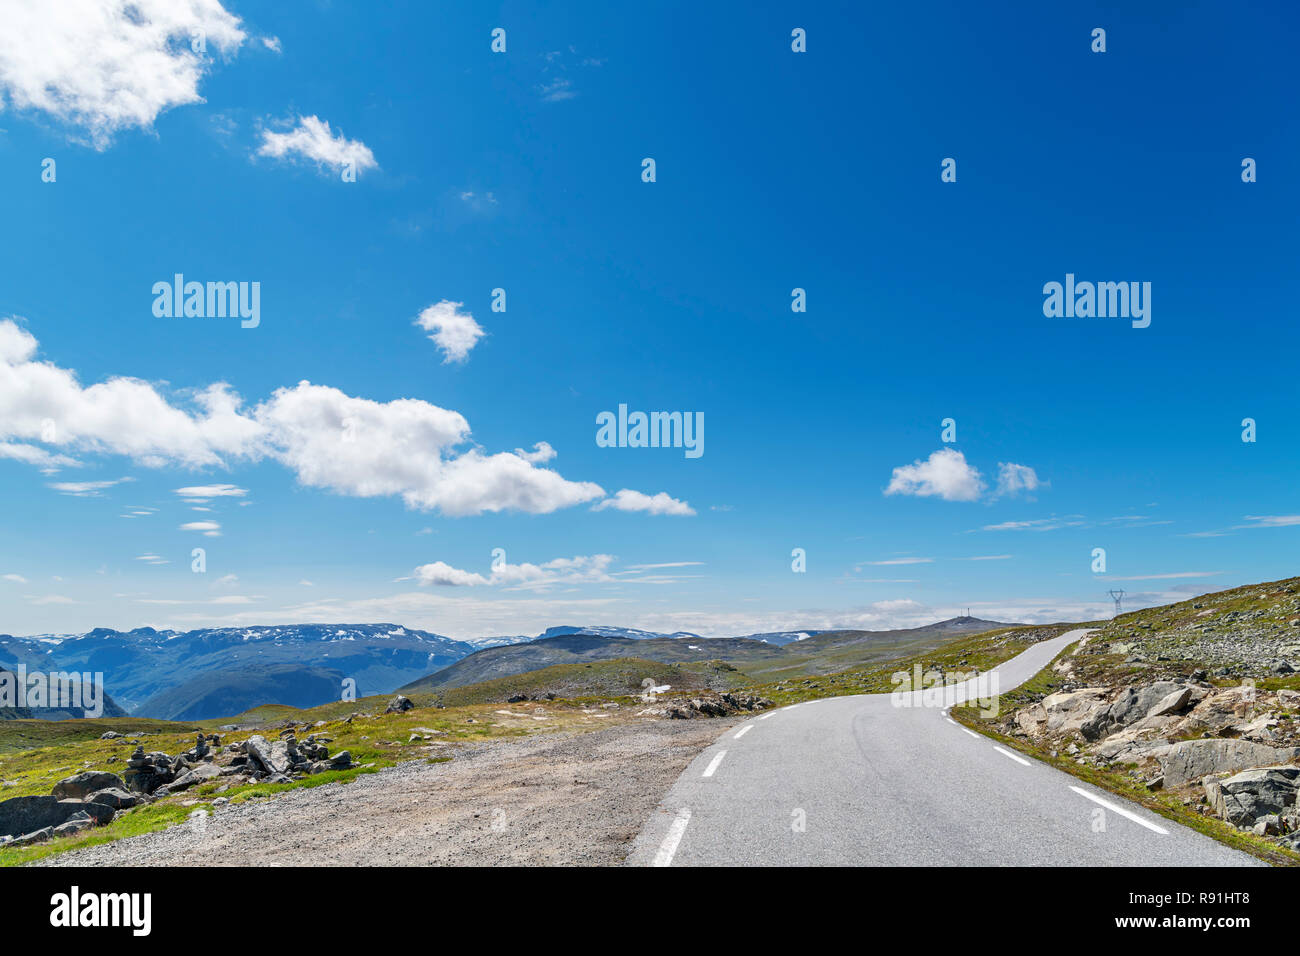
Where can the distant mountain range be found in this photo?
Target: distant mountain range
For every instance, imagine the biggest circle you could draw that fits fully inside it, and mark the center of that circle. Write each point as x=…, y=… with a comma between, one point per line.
x=218, y=672
x=213, y=672
x=756, y=654
x=9, y=681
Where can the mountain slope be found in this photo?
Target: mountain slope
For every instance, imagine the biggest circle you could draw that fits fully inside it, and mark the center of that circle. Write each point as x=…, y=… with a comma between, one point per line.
x=108, y=707
x=166, y=673
x=820, y=653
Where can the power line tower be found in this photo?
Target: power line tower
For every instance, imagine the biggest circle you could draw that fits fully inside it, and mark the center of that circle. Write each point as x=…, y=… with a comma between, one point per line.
x=1117, y=595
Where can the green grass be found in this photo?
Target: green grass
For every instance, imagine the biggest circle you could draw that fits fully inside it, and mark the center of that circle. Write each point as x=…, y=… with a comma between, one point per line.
x=26, y=734
x=982, y=651
x=375, y=741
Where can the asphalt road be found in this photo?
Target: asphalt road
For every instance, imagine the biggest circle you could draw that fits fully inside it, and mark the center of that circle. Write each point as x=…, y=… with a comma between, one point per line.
x=865, y=780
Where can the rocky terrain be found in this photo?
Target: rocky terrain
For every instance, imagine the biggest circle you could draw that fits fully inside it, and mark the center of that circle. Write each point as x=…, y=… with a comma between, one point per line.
x=1194, y=699
x=220, y=774
x=550, y=799
x=94, y=797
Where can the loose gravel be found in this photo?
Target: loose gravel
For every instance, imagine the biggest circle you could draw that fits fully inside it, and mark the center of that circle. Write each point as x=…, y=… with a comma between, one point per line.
x=549, y=799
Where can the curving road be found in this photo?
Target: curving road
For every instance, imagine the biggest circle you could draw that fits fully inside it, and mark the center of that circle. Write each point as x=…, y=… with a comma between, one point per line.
x=864, y=781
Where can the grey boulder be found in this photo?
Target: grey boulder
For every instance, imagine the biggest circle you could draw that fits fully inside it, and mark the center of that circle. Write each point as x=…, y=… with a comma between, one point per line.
x=1247, y=797
x=82, y=785
x=28, y=814
x=1190, y=760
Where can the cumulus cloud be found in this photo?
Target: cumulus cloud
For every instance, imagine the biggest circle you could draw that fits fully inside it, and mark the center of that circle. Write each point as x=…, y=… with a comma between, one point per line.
x=542, y=452
x=945, y=474
x=314, y=141
x=1013, y=479
x=15, y=578
x=106, y=65
x=581, y=569
x=330, y=440
x=659, y=504
x=441, y=574
x=453, y=331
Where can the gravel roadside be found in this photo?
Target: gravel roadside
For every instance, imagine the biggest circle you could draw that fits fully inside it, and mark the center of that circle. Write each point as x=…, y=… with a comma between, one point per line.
x=549, y=799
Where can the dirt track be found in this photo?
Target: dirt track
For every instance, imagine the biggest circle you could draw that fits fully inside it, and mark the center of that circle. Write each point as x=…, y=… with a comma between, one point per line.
x=546, y=800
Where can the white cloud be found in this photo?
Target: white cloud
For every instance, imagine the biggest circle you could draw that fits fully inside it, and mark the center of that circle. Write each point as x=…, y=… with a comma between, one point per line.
x=1013, y=479
x=541, y=453
x=945, y=474
x=441, y=574
x=1038, y=524
x=210, y=529
x=15, y=578
x=272, y=44
x=903, y=561
x=32, y=455
x=558, y=89
x=659, y=504
x=333, y=441
x=1161, y=577
x=313, y=140
x=987, y=557
x=152, y=559
x=1270, y=521
x=453, y=331
x=201, y=493
x=86, y=489
x=581, y=569
x=107, y=65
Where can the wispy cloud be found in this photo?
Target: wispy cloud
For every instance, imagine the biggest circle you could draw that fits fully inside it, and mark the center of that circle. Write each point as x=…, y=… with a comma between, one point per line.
x=1270, y=521
x=1160, y=577
x=86, y=489
x=313, y=140
x=1038, y=524
x=210, y=529
x=200, y=494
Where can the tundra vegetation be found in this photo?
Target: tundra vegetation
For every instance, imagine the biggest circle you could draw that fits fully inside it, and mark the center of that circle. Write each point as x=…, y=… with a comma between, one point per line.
x=1191, y=709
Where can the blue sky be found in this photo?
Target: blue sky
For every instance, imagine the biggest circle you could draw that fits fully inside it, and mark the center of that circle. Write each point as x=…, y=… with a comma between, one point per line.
x=380, y=491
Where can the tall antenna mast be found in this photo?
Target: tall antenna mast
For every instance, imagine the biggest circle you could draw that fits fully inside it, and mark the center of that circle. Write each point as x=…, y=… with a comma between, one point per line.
x=1118, y=596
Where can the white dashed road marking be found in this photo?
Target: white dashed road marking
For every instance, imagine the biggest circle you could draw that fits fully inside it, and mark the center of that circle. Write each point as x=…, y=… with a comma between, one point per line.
x=1008, y=753
x=669, y=847
x=1121, y=811
x=713, y=764
x=742, y=731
